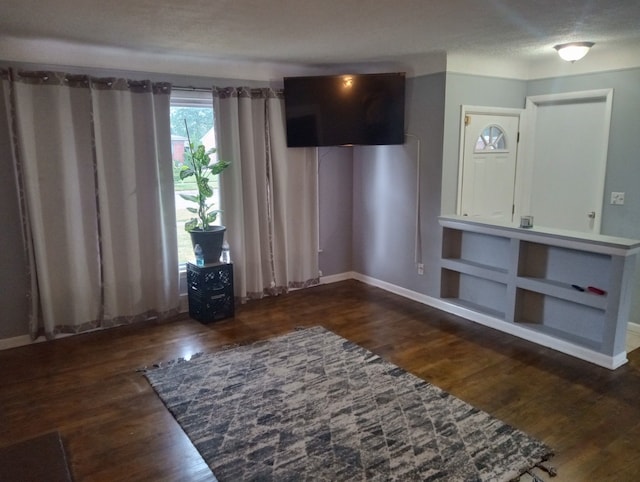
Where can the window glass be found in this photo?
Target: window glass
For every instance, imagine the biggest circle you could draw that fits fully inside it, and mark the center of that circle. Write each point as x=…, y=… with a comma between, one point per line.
x=191, y=117
x=491, y=139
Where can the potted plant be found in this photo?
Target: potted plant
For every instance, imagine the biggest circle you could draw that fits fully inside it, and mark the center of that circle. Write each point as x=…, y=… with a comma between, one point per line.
x=198, y=164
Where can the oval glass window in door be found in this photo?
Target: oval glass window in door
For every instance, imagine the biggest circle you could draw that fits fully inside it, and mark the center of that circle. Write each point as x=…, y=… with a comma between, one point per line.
x=492, y=138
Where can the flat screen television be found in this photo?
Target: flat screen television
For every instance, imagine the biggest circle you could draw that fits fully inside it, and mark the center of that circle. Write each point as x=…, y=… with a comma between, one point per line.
x=335, y=110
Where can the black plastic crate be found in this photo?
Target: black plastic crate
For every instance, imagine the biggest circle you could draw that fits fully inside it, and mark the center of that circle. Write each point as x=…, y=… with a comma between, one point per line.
x=210, y=291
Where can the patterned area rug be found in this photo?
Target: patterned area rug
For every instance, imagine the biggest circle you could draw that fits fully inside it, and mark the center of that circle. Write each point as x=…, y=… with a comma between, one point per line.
x=311, y=405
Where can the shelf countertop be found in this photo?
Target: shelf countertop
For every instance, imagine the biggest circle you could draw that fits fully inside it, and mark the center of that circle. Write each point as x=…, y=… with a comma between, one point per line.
x=558, y=237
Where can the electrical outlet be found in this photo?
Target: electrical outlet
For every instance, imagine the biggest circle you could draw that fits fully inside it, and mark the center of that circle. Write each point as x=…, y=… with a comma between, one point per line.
x=420, y=268
x=617, y=198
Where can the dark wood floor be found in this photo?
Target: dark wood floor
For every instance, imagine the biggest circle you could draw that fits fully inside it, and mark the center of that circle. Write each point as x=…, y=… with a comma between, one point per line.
x=115, y=428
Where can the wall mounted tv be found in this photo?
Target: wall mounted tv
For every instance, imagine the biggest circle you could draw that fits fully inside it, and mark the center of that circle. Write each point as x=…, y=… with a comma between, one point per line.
x=335, y=110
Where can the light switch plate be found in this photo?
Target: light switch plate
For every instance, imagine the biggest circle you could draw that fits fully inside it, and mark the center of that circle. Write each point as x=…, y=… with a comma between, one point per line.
x=617, y=198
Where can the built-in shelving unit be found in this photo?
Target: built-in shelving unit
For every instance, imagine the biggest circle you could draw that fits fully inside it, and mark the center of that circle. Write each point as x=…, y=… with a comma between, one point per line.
x=527, y=282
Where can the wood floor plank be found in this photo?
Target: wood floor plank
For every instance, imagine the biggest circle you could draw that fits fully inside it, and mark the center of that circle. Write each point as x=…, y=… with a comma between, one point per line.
x=89, y=387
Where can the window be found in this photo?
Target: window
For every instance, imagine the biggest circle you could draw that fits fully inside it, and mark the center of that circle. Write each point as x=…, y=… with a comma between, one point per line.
x=491, y=139
x=192, y=112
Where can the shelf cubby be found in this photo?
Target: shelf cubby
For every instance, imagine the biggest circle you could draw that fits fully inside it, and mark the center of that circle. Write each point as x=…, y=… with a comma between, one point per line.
x=476, y=269
x=573, y=322
x=562, y=290
x=476, y=249
x=564, y=266
x=475, y=293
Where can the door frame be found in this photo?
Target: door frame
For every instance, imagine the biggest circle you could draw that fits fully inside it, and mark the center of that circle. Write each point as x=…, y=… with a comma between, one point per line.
x=529, y=141
x=497, y=111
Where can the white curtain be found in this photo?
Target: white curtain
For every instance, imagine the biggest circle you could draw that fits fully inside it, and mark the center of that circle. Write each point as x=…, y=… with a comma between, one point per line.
x=268, y=195
x=135, y=199
x=93, y=167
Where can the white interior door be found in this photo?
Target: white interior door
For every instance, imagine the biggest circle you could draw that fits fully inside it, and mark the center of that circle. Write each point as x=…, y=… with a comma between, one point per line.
x=490, y=143
x=568, y=143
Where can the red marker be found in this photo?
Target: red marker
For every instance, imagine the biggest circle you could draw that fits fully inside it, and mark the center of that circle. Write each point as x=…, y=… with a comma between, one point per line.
x=597, y=291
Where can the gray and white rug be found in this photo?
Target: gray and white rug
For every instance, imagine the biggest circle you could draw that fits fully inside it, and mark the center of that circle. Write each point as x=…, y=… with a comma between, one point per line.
x=311, y=405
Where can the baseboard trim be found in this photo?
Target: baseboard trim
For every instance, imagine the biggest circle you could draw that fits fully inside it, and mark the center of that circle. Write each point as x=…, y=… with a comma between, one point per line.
x=23, y=340
x=398, y=290
x=184, y=303
x=633, y=328
x=335, y=278
x=16, y=341
x=610, y=362
x=586, y=354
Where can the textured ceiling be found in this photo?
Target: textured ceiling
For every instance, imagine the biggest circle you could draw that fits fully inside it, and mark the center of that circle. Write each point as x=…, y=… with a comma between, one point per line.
x=324, y=31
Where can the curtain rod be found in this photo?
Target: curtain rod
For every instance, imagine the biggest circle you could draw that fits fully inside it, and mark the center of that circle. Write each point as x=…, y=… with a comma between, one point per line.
x=191, y=89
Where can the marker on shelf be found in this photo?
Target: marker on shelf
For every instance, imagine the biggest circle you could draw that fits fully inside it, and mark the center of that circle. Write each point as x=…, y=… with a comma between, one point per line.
x=579, y=288
x=597, y=291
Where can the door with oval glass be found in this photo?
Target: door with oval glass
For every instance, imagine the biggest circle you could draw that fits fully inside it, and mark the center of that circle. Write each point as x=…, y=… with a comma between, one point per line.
x=488, y=165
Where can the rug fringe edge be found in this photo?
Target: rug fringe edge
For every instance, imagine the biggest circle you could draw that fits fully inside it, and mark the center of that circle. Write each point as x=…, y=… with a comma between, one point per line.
x=222, y=349
x=551, y=471
x=176, y=361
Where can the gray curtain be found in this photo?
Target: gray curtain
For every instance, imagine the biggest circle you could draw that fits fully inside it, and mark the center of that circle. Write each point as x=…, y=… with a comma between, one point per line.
x=93, y=168
x=268, y=194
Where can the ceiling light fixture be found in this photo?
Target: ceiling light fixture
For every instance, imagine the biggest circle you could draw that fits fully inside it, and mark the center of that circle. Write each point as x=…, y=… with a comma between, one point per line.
x=573, y=51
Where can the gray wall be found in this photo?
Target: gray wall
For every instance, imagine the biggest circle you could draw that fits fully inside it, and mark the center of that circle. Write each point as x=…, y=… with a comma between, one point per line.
x=384, y=186
x=384, y=190
x=335, y=183
x=464, y=89
x=367, y=194
x=623, y=164
x=384, y=183
x=623, y=158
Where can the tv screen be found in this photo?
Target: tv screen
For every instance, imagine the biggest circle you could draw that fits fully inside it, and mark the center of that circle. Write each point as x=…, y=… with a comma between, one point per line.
x=335, y=110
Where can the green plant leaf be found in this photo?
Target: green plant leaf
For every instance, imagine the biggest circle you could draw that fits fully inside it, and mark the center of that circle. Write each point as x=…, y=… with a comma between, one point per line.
x=189, y=197
x=204, y=188
x=200, y=156
x=200, y=166
x=191, y=224
x=185, y=173
x=218, y=167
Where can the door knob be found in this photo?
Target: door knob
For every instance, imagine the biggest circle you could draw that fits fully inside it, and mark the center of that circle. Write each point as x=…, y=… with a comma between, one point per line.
x=591, y=214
